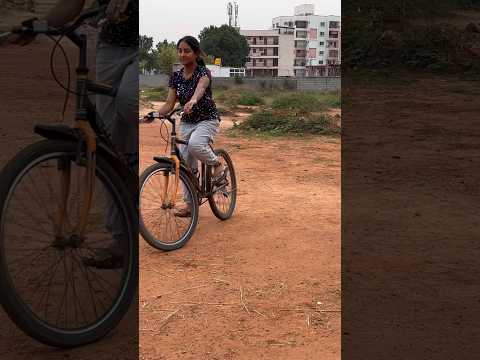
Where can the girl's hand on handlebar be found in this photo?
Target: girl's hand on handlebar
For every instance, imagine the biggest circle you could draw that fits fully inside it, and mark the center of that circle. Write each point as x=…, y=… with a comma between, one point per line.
x=189, y=105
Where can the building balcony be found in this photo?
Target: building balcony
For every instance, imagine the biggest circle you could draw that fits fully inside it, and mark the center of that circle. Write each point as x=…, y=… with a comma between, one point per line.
x=261, y=56
x=262, y=45
x=251, y=67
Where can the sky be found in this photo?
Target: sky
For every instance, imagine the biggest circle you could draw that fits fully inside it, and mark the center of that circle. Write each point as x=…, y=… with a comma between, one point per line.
x=171, y=20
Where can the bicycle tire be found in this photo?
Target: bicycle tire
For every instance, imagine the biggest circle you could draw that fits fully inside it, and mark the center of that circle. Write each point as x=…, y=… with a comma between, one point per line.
x=146, y=231
x=219, y=213
x=16, y=307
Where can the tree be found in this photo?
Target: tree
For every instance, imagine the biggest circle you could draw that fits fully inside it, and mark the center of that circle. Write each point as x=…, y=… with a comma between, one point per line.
x=226, y=43
x=166, y=55
x=147, y=58
x=145, y=47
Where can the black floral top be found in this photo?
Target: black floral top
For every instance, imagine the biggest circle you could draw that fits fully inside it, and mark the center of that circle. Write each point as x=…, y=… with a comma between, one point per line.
x=125, y=33
x=205, y=109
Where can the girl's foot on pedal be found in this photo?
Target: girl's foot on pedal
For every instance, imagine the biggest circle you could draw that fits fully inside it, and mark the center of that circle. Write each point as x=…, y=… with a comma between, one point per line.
x=219, y=172
x=183, y=212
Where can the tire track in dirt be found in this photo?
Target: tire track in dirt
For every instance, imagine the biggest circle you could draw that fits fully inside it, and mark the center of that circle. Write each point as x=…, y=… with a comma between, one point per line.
x=264, y=284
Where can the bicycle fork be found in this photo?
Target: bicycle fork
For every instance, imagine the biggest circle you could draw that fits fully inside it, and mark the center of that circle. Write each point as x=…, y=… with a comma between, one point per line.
x=170, y=203
x=65, y=180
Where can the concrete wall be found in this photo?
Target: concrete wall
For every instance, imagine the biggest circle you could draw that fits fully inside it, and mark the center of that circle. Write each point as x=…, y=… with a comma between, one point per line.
x=153, y=80
x=300, y=84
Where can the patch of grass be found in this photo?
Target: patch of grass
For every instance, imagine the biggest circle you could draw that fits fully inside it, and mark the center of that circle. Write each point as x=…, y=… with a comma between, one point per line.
x=235, y=97
x=223, y=111
x=154, y=94
x=307, y=101
x=281, y=124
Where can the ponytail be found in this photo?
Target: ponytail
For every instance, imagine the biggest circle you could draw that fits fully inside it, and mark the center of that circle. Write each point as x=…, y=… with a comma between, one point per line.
x=201, y=62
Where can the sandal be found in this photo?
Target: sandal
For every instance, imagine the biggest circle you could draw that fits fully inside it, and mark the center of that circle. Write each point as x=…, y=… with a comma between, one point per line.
x=107, y=258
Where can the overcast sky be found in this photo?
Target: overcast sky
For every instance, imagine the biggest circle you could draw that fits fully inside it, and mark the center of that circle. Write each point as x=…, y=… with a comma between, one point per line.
x=171, y=20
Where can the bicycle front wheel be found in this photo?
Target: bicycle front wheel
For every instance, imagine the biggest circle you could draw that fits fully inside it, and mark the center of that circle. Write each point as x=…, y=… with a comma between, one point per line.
x=223, y=194
x=168, y=212
x=53, y=284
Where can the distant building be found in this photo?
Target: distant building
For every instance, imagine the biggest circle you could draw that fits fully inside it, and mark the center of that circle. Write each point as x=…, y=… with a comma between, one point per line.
x=317, y=41
x=271, y=52
x=218, y=71
x=304, y=44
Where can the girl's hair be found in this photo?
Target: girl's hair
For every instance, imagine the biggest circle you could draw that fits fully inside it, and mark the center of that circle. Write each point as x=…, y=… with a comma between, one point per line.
x=195, y=46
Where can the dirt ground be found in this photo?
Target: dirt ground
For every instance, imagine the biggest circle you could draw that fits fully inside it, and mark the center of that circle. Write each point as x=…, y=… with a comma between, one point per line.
x=28, y=96
x=264, y=284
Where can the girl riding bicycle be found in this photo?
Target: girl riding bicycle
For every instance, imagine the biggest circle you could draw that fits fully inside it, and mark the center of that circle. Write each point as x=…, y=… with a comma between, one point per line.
x=200, y=121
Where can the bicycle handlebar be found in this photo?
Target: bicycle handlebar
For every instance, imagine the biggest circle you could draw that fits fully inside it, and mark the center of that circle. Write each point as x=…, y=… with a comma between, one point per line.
x=155, y=115
x=36, y=26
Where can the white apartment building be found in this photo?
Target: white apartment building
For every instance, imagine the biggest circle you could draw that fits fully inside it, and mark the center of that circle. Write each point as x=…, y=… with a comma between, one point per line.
x=317, y=41
x=271, y=52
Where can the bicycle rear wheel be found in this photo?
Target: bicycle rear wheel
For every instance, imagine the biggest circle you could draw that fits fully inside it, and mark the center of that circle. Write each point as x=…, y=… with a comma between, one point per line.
x=48, y=285
x=159, y=225
x=223, y=195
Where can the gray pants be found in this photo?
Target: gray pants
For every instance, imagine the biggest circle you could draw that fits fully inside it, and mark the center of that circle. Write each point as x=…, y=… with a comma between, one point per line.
x=199, y=137
x=118, y=67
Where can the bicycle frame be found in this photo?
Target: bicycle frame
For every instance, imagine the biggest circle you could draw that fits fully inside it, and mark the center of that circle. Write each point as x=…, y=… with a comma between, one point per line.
x=202, y=187
x=86, y=126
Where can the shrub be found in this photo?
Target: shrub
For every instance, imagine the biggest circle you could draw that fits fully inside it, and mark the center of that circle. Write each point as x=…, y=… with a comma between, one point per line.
x=278, y=124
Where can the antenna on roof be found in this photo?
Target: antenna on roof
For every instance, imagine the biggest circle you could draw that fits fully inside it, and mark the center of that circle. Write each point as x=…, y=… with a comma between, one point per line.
x=230, y=13
x=236, y=14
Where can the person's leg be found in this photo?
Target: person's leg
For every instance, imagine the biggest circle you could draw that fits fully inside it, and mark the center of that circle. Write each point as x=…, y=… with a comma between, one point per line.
x=118, y=67
x=186, y=130
x=199, y=144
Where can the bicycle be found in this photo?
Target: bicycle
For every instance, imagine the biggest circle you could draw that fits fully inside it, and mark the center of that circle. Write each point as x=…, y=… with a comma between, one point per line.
x=64, y=200
x=160, y=196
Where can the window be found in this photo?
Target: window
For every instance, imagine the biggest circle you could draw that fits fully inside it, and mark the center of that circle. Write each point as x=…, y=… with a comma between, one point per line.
x=322, y=33
x=334, y=24
x=301, y=34
x=333, y=53
x=333, y=34
x=322, y=24
x=301, y=24
x=275, y=62
x=320, y=53
x=254, y=51
x=260, y=38
x=254, y=62
x=320, y=62
x=275, y=51
x=322, y=43
x=265, y=62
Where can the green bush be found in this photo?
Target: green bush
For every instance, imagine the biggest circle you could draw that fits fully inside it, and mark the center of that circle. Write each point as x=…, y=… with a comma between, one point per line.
x=306, y=101
x=154, y=94
x=234, y=97
x=278, y=124
x=250, y=99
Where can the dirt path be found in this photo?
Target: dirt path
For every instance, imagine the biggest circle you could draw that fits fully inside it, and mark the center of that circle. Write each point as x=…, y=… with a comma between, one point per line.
x=28, y=96
x=262, y=284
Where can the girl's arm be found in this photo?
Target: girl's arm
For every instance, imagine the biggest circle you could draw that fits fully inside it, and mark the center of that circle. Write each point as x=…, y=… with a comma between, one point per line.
x=170, y=103
x=199, y=92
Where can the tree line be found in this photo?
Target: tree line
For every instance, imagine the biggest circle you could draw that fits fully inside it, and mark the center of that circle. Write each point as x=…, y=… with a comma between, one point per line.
x=222, y=42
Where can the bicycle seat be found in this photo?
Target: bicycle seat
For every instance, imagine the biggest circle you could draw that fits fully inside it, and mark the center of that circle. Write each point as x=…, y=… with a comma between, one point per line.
x=55, y=131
